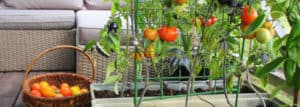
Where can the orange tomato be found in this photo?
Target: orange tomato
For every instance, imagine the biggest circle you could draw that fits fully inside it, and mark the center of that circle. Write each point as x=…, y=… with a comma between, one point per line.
x=248, y=16
x=48, y=92
x=150, y=34
x=244, y=29
x=64, y=85
x=65, y=91
x=139, y=56
x=35, y=86
x=36, y=93
x=149, y=53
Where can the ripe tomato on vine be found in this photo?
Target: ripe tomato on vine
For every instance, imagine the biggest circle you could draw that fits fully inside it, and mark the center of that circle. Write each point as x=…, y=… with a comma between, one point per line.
x=168, y=34
x=248, y=16
x=150, y=34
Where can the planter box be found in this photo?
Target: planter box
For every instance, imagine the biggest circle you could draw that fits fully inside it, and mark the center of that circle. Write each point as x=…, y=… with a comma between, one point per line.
x=175, y=87
x=245, y=100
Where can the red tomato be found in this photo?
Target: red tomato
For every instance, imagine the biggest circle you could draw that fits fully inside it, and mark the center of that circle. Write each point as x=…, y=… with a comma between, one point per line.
x=214, y=19
x=36, y=93
x=36, y=86
x=150, y=34
x=65, y=91
x=248, y=16
x=209, y=22
x=168, y=34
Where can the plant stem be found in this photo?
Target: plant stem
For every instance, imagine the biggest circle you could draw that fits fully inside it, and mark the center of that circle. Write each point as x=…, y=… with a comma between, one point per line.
x=296, y=102
x=224, y=83
x=125, y=75
x=145, y=88
x=253, y=88
x=188, y=90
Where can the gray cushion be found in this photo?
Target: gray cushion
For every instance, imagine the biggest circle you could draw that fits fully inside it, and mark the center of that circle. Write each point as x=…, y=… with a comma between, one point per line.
x=90, y=22
x=37, y=19
x=100, y=4
x=44, y=4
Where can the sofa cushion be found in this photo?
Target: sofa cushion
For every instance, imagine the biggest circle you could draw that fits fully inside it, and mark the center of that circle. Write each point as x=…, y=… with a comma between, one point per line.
x=99, y=4
x=90, y=23
x=44, y=4
x=37, y=19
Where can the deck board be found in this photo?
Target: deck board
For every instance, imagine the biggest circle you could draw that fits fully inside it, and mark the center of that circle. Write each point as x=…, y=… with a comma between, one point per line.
x=10, y=84
x=19, y=102
x=1, y=74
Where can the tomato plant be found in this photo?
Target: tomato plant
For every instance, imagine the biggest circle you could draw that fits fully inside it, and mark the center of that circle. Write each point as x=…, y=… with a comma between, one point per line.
x=168, y=34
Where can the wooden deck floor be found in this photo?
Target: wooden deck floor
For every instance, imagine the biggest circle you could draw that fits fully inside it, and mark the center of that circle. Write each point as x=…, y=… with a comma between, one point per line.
x=10, y=88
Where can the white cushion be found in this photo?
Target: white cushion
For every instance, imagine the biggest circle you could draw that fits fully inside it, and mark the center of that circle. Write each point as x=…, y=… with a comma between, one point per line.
x=44, y=4
x=100, y=4
x=37, y=19
x=90, y=23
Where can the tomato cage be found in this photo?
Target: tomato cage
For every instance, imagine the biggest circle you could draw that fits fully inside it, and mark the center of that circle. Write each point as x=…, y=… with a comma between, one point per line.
x=193, y=64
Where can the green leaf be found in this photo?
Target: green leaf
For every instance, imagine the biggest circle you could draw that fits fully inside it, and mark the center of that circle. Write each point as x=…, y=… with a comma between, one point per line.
x=110, y=68
x=277, y=89
x=112, y=79
x=103, y=33
x=116, y=88
x=158, y=46
x=297, y=80
x=294, y=35
x=277, y=14
x=270, y=67
x=257, y=23
x=289, y=70
x=115, y=42
x=279, y=42
x=294, y=54
x=101, y=51
x=90, y=45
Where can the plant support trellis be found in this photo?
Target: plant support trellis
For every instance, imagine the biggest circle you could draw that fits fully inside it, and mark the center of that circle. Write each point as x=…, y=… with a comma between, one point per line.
x=153, y=13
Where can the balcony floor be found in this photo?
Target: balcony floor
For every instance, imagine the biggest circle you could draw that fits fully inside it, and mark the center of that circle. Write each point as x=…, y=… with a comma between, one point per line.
x=10, y=88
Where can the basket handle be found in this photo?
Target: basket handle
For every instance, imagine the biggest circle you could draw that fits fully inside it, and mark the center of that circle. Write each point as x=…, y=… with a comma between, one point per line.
x=29, y=67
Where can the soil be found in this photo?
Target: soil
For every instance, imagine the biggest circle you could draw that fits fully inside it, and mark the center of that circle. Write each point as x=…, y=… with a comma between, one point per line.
x=167, y=92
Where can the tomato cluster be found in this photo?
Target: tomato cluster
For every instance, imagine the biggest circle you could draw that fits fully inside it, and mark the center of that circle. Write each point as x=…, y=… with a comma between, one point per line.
x=43, y=89
x=263, y=34
x=210, y=21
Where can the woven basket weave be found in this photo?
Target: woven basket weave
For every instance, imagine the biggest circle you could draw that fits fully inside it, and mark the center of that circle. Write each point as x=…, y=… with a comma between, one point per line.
x=81, y=100
x=18, y=47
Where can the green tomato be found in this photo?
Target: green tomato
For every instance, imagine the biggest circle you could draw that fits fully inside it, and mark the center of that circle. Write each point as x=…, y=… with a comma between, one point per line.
x=263, y=35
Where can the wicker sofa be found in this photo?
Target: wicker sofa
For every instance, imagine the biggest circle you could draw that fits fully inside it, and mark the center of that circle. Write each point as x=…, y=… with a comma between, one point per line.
x=28, y=27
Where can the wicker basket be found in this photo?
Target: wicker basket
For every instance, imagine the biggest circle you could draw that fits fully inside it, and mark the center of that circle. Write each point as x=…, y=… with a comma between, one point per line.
x=82, y=100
